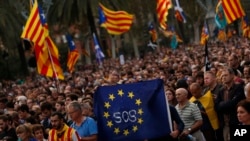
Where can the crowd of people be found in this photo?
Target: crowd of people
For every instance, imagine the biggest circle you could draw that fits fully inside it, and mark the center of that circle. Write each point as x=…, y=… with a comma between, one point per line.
x=207, y=102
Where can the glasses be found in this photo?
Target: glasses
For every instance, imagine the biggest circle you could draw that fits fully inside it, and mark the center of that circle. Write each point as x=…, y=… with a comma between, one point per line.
x=70, y=113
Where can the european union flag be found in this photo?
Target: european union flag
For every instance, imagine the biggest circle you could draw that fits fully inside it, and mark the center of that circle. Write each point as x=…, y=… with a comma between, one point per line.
x=132, y=112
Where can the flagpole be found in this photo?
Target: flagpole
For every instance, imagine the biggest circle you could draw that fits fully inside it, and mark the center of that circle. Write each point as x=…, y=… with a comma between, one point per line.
x=52, y=63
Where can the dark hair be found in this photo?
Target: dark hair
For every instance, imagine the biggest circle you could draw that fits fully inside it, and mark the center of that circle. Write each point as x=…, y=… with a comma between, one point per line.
x=10, y=105
x=245, y=104
x=4, y=118
x=62, y=94
x=23, y=108
x=46, y=106
x=61, y=103
x=37, y=127
x=230, y=70
x=59, y=114
x=72, y=97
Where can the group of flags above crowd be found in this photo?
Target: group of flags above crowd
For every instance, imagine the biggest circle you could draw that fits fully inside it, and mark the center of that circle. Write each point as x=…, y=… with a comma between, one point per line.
x=227, y=11
x=117, y=23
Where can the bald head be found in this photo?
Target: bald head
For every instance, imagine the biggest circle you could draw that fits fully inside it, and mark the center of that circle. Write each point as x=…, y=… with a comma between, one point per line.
x=181, y=91
x=181, y=95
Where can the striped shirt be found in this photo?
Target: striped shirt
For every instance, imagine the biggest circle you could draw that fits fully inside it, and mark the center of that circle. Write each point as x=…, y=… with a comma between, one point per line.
x=189, y=114
x=67, y=134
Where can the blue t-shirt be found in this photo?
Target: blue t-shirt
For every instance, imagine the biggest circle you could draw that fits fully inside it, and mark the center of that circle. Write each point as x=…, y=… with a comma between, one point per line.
x=87, y=128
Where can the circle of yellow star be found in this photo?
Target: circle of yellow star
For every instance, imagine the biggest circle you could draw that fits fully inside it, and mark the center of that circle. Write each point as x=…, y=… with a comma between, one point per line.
x=110, y=124
x=135, y=128
x=111, y=97
x=106, y=114
x=117, y=130
x=140, y=121
x=125, y=132
x=131, y=95
x=138, y=102
x=120, y=93
x=140, y=111
x=107, y=105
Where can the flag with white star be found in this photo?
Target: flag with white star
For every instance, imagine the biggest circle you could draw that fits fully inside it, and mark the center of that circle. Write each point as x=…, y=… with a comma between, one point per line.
x=136, y=111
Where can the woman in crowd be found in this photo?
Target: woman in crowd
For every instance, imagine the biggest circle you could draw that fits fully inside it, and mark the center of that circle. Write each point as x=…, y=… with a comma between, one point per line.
x=243, y=112
x=24, y=133
x=171, y=97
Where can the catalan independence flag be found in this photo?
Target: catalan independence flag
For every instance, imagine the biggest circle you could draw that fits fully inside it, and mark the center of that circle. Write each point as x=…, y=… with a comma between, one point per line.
x=152, y=32
x=34, y=30
x=116, y=22
x=73, y=54
x=245, y=25
x=47, y=56
x=47, y=60
x=232, y=10
x=162, y=8
x=204, y=34
x=132, y=112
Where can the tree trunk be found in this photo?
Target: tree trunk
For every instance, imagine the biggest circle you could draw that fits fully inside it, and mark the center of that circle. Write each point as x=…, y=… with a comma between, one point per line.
x=135, y=46
x=24, y=65
x=113, y=47
x=196, y=32
x=87, y=48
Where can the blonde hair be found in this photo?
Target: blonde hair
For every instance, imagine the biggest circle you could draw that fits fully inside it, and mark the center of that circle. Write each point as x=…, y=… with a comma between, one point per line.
x=24, y=128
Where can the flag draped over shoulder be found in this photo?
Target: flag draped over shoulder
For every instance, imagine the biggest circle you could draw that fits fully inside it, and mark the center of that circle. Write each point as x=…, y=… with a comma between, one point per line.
x=116, y=22
x=134, y=111
x=162, y=8
x=204, y=34
x=73, y=54
x=232, y=10
x=47, y=56
x=207, y=102
x=245, y=25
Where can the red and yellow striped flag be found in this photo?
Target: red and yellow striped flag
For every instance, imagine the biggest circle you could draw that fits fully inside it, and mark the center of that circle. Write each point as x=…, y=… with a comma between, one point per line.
x=245, y=25
x=232, y=10
x=116, y=22
x=162, y=12
x=47, y=56
x=204, y=34
x=73, y=53
x=33, y=29
x=47, y=60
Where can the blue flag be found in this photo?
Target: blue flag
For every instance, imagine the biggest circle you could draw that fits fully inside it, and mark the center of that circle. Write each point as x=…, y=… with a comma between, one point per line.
x=98, y=52
x=130, y=112
x=70, y=42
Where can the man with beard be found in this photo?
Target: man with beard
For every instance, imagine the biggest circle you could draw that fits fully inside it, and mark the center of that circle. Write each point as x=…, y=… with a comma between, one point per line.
x=6, y=131
x=60, y=131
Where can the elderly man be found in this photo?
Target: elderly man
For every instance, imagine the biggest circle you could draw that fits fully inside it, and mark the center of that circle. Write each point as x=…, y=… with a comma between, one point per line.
x=190, y=115
x=85, y=126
